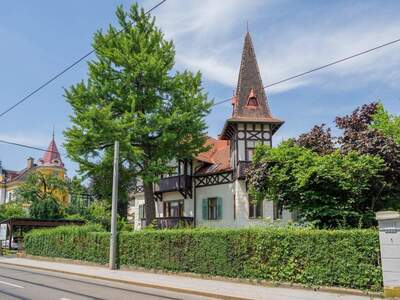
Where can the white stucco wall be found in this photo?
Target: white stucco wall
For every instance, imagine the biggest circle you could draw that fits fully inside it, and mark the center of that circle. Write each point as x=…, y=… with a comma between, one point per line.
x=133, y=210
x=224, y=191
x=234, y=198
x=242, y=214
x=230, y=193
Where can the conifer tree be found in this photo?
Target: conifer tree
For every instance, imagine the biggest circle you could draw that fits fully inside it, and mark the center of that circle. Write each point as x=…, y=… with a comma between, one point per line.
x=134, y=95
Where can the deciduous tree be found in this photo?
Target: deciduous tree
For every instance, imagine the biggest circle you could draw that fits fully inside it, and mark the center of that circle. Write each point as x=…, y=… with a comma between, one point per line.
x=387, y=123
x=329, y=179
x=318, y=139
x=333, y=189
x=42, y=193
x=134, y=95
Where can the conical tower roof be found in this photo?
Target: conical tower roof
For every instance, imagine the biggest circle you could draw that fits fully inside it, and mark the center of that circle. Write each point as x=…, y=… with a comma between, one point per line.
x=250, y=85
x=52, y=155
x=250, y=103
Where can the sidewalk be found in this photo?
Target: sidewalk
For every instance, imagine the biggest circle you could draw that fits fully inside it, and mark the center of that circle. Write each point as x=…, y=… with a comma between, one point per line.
x=186, y=284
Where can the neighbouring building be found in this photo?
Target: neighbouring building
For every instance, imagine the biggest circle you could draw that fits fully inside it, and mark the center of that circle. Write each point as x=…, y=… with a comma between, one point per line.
x=50, y=163
x=211, y=189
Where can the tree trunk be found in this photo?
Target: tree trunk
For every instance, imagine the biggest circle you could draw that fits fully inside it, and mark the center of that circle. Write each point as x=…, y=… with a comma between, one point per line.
x=149, y=203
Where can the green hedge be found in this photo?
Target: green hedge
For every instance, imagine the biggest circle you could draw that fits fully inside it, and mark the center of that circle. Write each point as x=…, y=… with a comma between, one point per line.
x=343, y=258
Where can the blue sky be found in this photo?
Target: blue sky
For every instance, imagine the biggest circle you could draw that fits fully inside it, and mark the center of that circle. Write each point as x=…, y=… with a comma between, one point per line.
x=39, y=38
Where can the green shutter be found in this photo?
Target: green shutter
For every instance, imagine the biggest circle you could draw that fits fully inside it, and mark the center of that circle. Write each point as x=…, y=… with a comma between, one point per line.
x=205, y=209
x=219, y=208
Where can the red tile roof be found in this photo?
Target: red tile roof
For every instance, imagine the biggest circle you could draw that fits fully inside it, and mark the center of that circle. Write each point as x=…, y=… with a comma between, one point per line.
x=216, y=159
x=10, y=175
x=52, y=156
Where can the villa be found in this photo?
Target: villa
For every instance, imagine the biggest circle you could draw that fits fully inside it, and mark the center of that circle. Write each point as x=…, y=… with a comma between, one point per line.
x=211, y=189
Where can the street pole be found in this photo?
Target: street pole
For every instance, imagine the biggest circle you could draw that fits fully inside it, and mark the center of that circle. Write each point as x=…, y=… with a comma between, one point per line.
x=113, y=237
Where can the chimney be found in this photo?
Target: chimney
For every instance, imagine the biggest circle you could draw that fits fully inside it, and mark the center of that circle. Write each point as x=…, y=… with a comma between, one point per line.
x=29, y=163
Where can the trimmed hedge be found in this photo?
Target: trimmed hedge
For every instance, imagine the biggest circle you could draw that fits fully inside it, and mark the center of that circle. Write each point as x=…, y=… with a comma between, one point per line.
x=343, y=258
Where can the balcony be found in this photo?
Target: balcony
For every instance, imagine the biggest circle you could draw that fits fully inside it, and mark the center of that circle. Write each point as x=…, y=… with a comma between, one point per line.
x=174, y=183
x=171, y=222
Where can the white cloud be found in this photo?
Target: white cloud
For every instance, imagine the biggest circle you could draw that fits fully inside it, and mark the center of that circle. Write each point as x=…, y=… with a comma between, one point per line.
x=209, y=36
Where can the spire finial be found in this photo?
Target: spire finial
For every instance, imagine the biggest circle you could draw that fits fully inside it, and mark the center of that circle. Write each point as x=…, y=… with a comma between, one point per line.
x=53, y=131
x=247, y=26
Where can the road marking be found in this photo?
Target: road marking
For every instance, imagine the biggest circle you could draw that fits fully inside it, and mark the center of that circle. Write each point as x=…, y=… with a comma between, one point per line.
x=11, y=284
x=65, y=299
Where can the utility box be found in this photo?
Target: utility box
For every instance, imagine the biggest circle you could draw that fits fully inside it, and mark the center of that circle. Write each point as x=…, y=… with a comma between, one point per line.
x=389, y=238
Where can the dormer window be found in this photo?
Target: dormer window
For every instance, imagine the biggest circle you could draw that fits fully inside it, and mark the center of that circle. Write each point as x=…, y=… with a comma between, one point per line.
x=252, y=101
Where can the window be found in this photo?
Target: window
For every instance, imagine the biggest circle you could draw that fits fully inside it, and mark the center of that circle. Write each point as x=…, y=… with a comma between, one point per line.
x=212, y=208
x=252, y=100
x=250, y=152
x=173, y=208
x=255, y=209
x=278, y=211
x=142, y=212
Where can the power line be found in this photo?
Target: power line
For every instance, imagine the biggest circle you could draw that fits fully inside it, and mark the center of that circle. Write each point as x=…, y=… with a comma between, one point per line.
x=216, y=103
x=321, y=67
x=69, y=67
x=25, y=146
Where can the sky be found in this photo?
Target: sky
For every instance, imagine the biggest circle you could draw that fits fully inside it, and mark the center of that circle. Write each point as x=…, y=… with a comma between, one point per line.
x=40, y=38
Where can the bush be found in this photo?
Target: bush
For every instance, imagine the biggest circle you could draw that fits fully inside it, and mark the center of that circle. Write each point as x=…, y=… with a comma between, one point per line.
x=88, y=243
x=343, y=258
x=14, y=209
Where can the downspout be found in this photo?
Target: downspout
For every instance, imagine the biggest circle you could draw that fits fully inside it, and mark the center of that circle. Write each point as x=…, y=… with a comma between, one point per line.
x=194, y=195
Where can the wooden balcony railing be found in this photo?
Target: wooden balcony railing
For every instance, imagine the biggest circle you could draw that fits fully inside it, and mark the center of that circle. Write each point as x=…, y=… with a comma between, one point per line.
x=171, y=222
x=174, y=183
x=169, y=184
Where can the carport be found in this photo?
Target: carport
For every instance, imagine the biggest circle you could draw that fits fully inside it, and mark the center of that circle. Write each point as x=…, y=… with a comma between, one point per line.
x=21, y=225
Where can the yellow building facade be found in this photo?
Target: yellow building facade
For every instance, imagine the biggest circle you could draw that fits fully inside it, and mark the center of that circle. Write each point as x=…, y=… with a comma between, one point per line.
x=49, y=164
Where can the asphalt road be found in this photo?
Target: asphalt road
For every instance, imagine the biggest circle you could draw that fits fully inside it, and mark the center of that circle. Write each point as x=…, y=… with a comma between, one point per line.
x=25, y=283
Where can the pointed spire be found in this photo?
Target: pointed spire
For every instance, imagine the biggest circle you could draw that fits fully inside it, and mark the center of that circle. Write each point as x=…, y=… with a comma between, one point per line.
x=250, y=101
x=52, y=156
x=250, y=81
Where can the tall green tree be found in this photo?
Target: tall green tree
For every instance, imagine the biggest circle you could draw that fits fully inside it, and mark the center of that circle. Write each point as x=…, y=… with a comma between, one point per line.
x=133, y=95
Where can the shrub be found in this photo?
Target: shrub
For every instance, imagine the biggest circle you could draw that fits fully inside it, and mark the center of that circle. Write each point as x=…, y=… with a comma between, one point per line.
x=14, y=209
x=343, y=258
x=88, y=243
